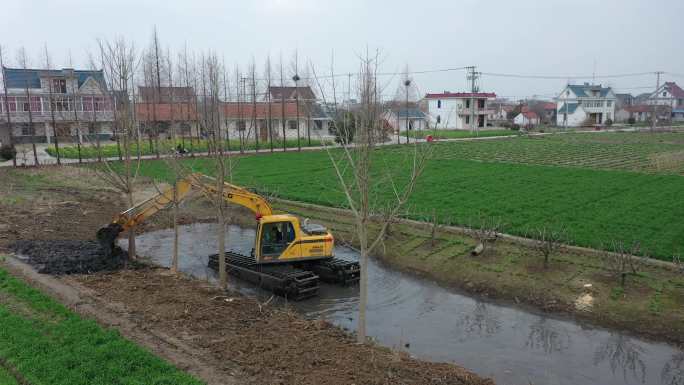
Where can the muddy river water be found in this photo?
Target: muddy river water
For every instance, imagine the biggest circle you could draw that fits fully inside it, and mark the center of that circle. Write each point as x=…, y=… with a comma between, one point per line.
x=513, y=345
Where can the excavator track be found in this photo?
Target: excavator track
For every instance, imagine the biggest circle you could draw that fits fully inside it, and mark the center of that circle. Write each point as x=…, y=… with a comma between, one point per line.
x=284, y=280
x=335, y=270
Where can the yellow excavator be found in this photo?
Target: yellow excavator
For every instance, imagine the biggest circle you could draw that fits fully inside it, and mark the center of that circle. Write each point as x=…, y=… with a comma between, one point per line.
x=288, y=258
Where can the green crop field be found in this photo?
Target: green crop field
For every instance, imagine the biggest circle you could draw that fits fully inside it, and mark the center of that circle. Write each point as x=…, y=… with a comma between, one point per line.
x=109, y=149
x=457, y=134
x=645, y=152
x=48, y=344
x=597, y=206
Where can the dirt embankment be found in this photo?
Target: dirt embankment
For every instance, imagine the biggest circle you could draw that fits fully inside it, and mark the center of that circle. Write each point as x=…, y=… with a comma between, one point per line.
x=264, y=344
x=213, y=334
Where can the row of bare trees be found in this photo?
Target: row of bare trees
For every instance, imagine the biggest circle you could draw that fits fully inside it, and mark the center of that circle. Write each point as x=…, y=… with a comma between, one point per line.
x=160, y=71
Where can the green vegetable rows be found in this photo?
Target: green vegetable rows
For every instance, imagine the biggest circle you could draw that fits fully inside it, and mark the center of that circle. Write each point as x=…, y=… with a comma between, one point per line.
x=48, y=344
x=597, y=206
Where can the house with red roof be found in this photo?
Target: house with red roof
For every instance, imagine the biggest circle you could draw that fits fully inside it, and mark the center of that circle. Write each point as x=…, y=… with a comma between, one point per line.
x=458, y=110
x=671, y=95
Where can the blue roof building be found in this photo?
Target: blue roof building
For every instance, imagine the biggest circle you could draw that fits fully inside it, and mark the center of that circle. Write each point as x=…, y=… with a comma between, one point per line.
x=585, y=105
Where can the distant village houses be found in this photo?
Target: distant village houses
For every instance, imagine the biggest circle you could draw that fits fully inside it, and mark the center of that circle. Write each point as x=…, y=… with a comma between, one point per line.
x=71, y=104
x=455, y=110
x=584, y=105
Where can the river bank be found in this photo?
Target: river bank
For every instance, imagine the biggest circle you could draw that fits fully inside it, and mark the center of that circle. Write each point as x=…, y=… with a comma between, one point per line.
x=578, y=284
x=231, y=335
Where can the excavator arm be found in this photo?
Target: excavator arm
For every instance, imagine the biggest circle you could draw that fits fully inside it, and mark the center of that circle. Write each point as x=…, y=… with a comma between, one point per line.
x=206, y=184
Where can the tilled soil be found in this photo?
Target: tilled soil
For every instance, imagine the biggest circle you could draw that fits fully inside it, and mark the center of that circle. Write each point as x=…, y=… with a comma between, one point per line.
x=269, y=345
x=70, y=256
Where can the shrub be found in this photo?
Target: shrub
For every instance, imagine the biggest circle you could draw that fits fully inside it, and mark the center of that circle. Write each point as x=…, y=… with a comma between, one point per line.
x=631, y=120
x=7, y=152
x=609, y=122
x=515, y=127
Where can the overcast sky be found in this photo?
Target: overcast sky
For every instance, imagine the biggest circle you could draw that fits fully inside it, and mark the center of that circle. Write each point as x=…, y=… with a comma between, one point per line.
x=550, y=37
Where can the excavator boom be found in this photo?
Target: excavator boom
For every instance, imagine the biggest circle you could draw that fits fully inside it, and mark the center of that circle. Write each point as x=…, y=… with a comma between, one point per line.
x=143, y=210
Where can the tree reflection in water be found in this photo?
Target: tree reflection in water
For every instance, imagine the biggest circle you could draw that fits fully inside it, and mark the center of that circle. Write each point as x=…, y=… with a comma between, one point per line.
x=622, y=354
x=480, y=322
x=673, y=371
x=544, y=336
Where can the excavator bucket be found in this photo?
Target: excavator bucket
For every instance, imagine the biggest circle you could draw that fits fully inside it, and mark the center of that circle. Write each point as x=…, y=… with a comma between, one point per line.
x=108, y=234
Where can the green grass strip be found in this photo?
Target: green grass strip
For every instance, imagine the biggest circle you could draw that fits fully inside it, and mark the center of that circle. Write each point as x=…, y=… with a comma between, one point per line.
x=49, y=344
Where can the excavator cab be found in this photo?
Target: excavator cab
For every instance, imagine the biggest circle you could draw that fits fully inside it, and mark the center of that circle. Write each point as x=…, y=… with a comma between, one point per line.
x=281, y=238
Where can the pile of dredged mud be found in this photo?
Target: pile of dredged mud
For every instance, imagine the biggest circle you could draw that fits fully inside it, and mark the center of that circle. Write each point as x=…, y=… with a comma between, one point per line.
x=69, y=256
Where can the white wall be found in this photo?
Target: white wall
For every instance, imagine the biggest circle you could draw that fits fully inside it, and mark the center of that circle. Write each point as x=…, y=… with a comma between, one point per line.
x=574, y=120
x=521, y=120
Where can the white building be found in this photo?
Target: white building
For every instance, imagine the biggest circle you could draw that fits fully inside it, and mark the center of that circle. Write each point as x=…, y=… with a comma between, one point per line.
x=454, y=111
x=671, y=95
x=526, y=118
x=41, y=104
x=578, y=105
x=402, y=119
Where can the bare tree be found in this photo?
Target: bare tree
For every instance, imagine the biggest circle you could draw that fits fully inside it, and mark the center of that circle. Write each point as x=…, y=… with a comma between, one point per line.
x=7, y=108
x=622, y=260
x=211, y=82
x=353, y=165
x=268, y=100
x=119, y=60
x=678, y=262
x=282, y=102
x=52, y=103
x=23, y=63
x=486, y=232
x=548, y=241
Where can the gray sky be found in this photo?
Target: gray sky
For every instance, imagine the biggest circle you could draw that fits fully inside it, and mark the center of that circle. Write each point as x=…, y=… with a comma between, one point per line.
x=551, y=37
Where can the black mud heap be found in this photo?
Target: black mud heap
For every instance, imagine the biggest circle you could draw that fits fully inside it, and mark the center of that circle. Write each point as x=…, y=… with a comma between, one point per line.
x=70, y=256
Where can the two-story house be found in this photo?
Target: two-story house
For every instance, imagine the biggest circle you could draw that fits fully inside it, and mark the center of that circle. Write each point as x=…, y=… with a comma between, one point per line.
x=670, y=95
x=39, y=104
x=586, y=104
x=459, y=110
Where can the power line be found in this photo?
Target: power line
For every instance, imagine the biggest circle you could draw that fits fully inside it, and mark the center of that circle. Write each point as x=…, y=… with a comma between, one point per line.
x=558, y=77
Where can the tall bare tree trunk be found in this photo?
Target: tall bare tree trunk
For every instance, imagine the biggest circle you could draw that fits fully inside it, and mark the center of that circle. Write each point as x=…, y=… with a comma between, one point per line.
x=23, y=61
x=7, y=109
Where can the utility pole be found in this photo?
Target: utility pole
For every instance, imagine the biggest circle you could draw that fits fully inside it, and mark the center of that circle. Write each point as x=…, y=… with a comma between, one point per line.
x=472, y=76
x=407, y=83
x=654, y=117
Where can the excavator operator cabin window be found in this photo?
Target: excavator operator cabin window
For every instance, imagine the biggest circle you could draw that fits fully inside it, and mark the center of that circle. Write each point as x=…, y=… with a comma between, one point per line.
x=276, y=237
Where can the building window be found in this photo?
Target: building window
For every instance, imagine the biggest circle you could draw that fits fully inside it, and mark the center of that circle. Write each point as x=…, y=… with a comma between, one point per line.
x=292, y=124
x=59, y=86
x=439, y=104
x=610, y=103
x=467, y=119
x=12, y=103
x=27, y=129
x=241, y=125
x=467, y=103
x=664, y=93
x=480, y=103
x=87, y=103
x=318, y=125
x=98, y=104
x=439, y=119
x=680, y=102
